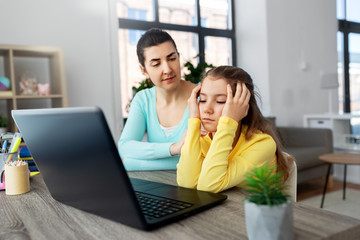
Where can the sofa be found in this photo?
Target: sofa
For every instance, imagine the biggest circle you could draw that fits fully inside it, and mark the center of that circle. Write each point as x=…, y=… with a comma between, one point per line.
x=306, y=144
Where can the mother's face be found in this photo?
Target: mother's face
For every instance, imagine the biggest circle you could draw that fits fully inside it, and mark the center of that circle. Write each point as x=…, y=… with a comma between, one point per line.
x=162, y=65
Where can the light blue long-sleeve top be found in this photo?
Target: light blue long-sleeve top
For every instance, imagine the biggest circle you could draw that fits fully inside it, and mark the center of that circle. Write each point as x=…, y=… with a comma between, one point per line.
x=155, y=153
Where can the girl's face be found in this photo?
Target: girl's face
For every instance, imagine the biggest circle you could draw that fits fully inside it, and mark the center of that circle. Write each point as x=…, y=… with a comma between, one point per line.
x=162, y=65
x=213, y=94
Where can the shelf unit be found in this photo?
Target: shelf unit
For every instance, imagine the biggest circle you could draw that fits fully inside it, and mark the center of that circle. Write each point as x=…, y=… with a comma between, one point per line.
x=45, y=64
x=340, y=124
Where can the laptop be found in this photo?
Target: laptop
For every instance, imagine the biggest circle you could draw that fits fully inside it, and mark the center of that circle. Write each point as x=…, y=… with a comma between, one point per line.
x=75, y=152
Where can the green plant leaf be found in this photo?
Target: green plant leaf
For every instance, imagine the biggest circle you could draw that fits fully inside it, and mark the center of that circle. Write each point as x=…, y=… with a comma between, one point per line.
x=265, y=186
x=196, y=72
x=3, y=122
x=143, y=85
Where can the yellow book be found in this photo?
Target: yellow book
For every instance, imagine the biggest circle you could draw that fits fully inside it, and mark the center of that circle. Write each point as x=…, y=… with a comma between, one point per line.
x=25, y=158
x=6, y=93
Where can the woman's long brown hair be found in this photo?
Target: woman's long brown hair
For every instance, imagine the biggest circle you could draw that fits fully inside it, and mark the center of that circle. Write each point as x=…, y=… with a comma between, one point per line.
x=254, y=119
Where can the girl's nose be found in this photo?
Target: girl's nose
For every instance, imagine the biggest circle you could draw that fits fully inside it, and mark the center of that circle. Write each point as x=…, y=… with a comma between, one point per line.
x=208, y=108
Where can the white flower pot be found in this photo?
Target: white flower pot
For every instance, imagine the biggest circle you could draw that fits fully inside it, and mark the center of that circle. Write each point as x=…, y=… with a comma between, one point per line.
x=264, y=222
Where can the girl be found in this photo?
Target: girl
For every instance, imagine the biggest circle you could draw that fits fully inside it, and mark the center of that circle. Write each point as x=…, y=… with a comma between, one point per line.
x=161, y=111
x=239, y=138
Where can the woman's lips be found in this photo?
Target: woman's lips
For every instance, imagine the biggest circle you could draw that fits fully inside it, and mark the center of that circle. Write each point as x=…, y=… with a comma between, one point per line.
x=168, y=79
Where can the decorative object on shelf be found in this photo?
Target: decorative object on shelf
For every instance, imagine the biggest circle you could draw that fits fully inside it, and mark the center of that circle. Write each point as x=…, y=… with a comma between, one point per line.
x=352, y=139
x=3, y=124
x=268, y=211
x=43, y=89
x=4, y=84
x=350, y=143
x=28, y=84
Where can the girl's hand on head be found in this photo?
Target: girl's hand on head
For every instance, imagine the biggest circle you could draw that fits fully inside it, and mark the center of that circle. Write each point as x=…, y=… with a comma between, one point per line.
x=236, y=107
x=193, y=103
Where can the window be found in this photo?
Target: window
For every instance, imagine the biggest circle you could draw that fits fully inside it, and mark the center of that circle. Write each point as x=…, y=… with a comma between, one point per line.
x=136, y=14
x=349, y=55
x=349, y=58
x=199, y=27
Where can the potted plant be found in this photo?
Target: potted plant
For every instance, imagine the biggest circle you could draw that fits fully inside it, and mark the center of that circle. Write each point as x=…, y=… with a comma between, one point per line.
x=146, y=83
x=268, y=211
x=3, y=124
x=195, y=72
x=142, y=85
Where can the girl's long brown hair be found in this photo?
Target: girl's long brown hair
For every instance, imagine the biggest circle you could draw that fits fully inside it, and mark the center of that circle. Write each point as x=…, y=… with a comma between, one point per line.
x=254, y=119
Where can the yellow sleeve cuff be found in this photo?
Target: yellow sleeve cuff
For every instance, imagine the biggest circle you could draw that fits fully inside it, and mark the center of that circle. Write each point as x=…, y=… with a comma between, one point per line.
x=194, y=121
x=228, y=122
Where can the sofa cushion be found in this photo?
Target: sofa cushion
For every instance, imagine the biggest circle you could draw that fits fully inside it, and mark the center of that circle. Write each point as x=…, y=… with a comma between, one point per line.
x=305, y=137
x=307, y=157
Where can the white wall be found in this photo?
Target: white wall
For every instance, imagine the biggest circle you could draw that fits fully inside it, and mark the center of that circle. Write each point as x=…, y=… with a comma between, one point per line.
x=286, y=45
x=85, y=32
x=275, y=40
x=252, y=46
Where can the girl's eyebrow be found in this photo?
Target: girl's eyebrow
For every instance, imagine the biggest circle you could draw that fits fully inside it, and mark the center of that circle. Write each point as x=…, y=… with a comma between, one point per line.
x=216, y=95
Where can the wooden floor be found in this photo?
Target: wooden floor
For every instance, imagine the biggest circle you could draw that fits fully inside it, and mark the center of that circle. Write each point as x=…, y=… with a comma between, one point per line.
x=315, y=187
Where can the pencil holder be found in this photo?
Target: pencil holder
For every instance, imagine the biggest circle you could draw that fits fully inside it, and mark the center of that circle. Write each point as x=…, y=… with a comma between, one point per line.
x=5, y=158
x=17, y=179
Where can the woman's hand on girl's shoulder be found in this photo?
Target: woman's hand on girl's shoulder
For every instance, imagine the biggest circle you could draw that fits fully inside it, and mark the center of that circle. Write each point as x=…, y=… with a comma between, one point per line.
x=237, y=106
x=193, y=103
x=175, y=148
x=203, y=131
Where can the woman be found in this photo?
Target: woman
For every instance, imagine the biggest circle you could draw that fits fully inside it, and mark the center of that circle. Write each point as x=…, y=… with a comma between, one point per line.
x=239, y=138
x=161, y=111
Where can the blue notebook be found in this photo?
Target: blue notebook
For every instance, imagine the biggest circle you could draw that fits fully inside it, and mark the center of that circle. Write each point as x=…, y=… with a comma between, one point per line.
x=25, y=155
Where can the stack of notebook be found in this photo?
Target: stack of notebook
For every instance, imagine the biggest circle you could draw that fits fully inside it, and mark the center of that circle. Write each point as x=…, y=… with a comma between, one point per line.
x=25, y=155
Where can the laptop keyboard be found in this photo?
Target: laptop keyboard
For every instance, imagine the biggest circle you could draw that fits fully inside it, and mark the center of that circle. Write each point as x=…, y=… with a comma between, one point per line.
x=156, y=207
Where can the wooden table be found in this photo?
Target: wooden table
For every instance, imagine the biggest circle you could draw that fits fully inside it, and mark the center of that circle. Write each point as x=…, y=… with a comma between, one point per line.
x=338, y=158
x=36, y=215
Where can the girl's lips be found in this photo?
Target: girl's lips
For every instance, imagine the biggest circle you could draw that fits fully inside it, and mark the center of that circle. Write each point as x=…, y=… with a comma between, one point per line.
x=207, y=120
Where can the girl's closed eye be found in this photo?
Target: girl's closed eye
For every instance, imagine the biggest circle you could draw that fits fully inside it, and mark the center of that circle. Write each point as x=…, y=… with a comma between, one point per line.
x=202, y=100
x=221, y=100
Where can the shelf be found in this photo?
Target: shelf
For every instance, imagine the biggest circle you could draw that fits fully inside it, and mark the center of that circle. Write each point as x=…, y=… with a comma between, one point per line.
x=340, y=124
x=38, y=96
x=44, y=65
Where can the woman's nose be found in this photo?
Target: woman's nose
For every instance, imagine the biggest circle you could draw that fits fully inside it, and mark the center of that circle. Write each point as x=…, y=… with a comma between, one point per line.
x=166, y=67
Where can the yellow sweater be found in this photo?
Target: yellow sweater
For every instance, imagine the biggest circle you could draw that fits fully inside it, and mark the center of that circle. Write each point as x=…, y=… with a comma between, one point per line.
x=209, y=165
